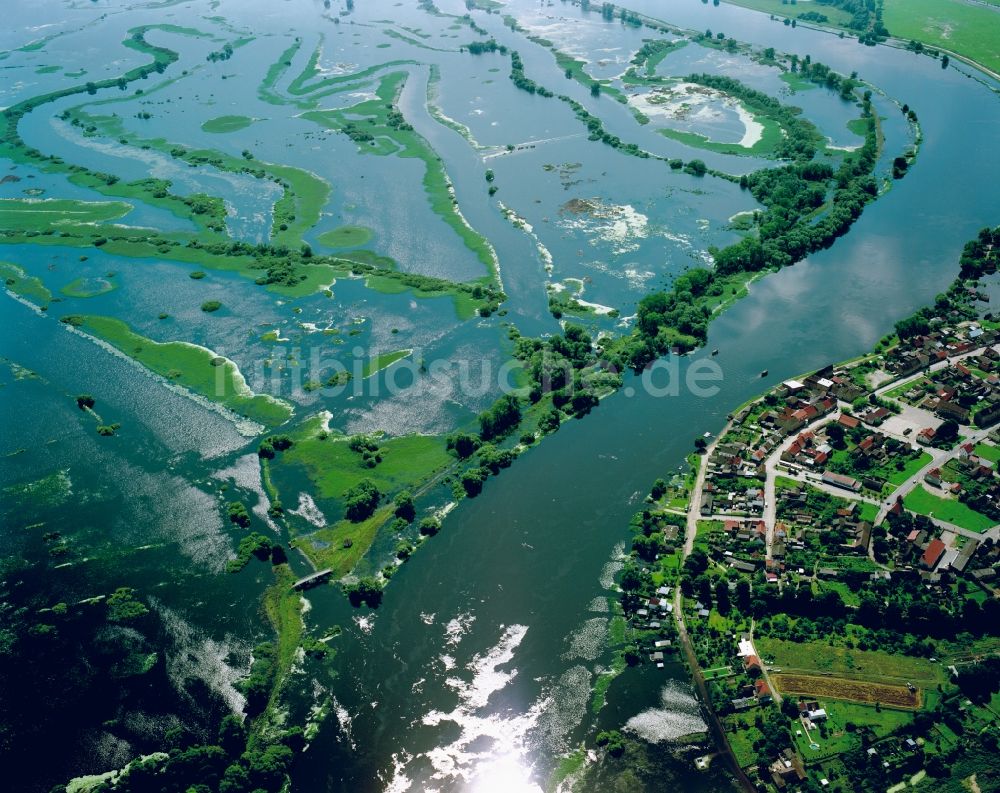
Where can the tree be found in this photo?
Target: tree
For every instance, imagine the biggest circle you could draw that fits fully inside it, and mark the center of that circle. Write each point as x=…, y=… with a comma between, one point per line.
x=659, y=490
x=631, y=577
x=84, y=401
x=404, y=506
x=361, y=500
x=430, y=526
x=612, y=741
x=948, y=431
x=722, y=598
x=232, y=735
x=743, y=595
x=473, y=480
x=835, y=432
x=367, y=591
x=697, y=562
x=123, y=606
x=269, y=767
x=463, y=444
x=501, y=418
x=696, y=168
x=595, y=89
x=238, y=513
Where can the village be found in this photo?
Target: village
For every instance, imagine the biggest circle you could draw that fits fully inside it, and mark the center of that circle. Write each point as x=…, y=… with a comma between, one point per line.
x=868, y=488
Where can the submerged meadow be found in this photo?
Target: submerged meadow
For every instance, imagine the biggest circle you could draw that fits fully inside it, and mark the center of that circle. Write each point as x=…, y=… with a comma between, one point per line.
x=291, y=286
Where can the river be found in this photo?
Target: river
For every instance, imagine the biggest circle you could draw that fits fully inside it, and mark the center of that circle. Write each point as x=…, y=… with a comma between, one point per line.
x=475, y=673
x=504, y=600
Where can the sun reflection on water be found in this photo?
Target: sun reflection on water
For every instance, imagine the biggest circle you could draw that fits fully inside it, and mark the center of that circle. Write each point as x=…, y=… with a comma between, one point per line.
x=504, y=774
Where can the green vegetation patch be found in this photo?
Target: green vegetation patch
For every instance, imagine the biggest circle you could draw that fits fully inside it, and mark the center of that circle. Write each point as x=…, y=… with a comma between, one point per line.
x=334, y=467
x=872, y=665
x=377, y=127
x=39, y=214
x=383, y=361
x=27, y=286
x=224, y=124
x=988, y=451
x=345, y=237
x=189, y=365
x=966, y=28
x=770, y=137
x=88, y=287
x=950, y=510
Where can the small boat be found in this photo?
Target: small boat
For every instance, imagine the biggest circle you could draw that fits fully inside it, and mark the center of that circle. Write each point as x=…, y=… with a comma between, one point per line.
x=764, y=373
x=708, y=435
x=715, y=351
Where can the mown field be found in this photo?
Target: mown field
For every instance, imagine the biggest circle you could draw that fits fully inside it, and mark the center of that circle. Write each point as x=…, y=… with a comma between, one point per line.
x=852, y=690
x=820, y=658
x=950, y=510
x=968, y=29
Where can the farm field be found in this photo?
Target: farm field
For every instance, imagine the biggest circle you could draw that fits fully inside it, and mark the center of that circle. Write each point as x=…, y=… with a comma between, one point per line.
x=852, y=690
x=820, y=658
x=969, y=30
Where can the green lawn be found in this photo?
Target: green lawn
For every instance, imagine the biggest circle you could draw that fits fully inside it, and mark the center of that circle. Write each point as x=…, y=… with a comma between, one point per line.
x=849, y=596
x=837, y=739
x=968, y=29
x=871, y=665
x=988, y=452
x=950, y=510
x=190, y=366
x=868, y=512
x=896, y=477
x=742, y=739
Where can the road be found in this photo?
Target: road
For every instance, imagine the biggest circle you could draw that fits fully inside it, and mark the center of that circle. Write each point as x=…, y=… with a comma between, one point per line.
x=694, y=503
x=763, y=668
x=714, y=722
x=697, y=676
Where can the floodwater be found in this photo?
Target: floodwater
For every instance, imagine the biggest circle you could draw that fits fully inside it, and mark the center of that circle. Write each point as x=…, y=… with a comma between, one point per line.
x=475, y=673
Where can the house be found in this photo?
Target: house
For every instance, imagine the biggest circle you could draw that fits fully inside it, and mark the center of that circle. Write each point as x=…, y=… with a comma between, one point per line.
x=743, y=703
x=743, y=567
x=752, y=663
x=762, y=690
x=819, y=714
x=932, y=555
x=841, y=481
x=707, y=502
x=877, y=416
x=950, y=410
x=933, y=477
x=848, y=422
x=926, y=436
